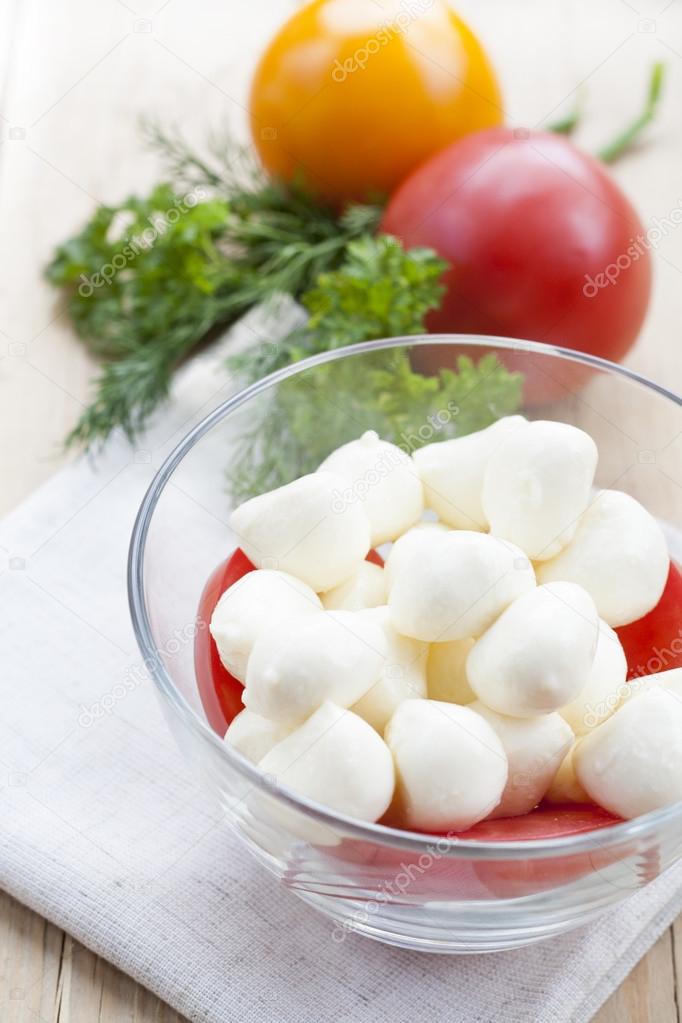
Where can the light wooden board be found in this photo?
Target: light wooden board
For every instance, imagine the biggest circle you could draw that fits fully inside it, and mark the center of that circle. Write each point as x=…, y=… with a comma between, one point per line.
x=74, y=77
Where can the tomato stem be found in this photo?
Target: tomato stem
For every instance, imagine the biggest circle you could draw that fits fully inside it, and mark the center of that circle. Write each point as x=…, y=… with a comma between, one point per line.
x=567, y=125
x=624, y=140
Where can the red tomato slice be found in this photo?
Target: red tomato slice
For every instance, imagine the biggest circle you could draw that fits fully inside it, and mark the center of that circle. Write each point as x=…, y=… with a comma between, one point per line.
x=541, y=823
x=432, y=874
x=654, y=642
x=221, y=692
x=511, y=879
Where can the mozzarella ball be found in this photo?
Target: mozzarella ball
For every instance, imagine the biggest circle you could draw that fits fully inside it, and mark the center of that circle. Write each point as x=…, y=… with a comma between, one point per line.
x=336, y=759
x=365, y=588
x=254, y=736
x=632, y=764
x=446, y=675
x=402, y=677
x=455, y=584
x=537, y=484
x=670, y=680
x=451, y=768
x=618, y=554
x=535, y=748
x=383, y=480
x=538, y=654
x=295, y=667
x=409, y=541
x=602, y=692
x=302, y=528
x=452, y=473
x=254, y=604
x=565, y=787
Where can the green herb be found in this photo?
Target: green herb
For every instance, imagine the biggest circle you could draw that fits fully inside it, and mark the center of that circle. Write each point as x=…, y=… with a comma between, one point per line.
x=380, y=291
x=149, y=279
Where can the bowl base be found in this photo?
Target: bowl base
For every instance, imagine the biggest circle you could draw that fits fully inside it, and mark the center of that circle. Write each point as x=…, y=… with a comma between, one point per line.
x=392, y=926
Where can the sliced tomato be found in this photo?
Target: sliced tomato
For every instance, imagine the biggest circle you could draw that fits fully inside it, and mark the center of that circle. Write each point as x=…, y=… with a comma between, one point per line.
x=654, y=642
x=220, y=692
x=510, y=879
x=432, y=874
x=541, y=823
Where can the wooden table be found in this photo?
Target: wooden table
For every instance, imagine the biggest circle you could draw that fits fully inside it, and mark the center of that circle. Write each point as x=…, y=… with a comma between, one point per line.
x=76, y=75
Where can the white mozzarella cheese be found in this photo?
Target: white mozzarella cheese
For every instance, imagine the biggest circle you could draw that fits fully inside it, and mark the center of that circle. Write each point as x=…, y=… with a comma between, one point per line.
x=452, y=473
x=535, y=748
x=337, y=759
x=536, y=657
x=402, y=677
x=451, y=768
x=455, y=584
x=294, y=668
x=256, y=603
x=382, y=479
x=618, y=554
x=300, y=528
x=632, y=764
x=537, y=484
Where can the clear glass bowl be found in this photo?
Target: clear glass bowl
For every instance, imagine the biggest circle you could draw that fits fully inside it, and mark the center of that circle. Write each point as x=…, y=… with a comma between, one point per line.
x=412, y=890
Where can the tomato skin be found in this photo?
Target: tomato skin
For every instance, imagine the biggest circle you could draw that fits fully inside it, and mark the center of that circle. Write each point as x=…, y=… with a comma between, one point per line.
x=430, y=874
x=654, y=642
x=542, y=823
x=508, y=879
x=351, y=96
x=526, y=224
x=220, y=692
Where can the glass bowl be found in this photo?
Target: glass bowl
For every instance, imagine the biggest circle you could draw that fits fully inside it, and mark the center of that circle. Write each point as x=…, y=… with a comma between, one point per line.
x=417, y=891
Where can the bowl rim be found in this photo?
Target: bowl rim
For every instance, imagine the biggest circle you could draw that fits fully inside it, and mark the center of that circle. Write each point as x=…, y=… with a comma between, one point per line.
x=638, y=828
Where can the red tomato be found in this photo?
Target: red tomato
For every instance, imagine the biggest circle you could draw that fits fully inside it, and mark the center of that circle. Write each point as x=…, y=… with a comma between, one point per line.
x=542, y=823
x=221, y=692
x=654, y=642
x=542, y=245
x=513, y=879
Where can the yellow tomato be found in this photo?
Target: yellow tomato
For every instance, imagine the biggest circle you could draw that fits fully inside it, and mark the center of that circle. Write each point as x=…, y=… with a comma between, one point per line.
x=350, y=96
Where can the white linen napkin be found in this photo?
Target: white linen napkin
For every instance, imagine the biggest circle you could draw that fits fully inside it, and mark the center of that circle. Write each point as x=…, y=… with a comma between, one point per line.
x=104, y=831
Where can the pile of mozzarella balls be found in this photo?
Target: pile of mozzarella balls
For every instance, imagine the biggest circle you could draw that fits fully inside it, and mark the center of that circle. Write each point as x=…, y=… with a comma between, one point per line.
x=477, y=672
